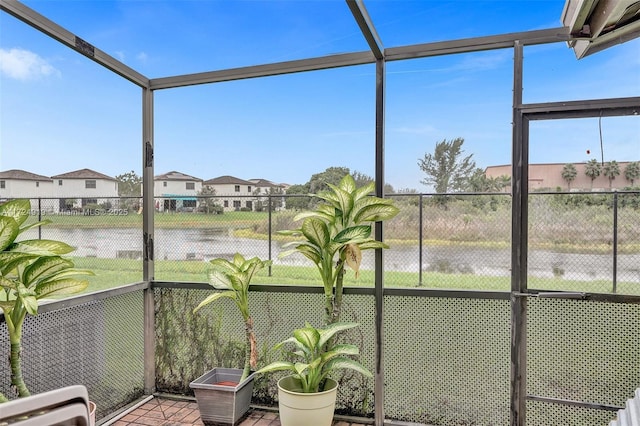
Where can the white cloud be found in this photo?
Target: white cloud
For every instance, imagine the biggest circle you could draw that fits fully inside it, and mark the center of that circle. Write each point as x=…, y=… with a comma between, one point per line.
x=24, y=65
x=119, y=55
x=142, y=57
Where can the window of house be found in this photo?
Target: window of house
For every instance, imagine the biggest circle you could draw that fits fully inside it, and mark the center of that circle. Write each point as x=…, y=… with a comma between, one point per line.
x=191, y=185
x=164, y=184
x=60, y=182
x=89, y=202
x=226, y=203
x=236, y=204
x=249, y=188
x=249, y=205
x=37, y=184
x=90, y=184
x=2, y=184
x=237, y=188
x=188, y=203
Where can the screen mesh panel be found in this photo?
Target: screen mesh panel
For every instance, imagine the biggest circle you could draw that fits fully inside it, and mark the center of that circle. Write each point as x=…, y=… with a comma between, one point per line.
x=582, y=351
x=541, y=413
x=189, y=344
x=446, y=361
x=97, y=344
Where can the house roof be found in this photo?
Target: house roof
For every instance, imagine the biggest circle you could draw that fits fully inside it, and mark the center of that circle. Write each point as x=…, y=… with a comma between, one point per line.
x=228, y=180
x=83, y=174
x=264, y=183
x=16, y=174
x=174, y=175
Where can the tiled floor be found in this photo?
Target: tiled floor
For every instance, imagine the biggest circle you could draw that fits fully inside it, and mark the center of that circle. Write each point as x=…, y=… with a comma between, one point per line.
x=166, y=412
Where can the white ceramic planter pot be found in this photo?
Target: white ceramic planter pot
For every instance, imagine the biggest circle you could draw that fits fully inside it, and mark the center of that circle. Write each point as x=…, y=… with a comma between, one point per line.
x=306, y=409
x=92, y=413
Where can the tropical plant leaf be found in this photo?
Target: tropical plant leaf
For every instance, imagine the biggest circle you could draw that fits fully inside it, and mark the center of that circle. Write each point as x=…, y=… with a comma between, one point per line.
x=330, y=330
x=19, y=210
x=316, y=231
x=347, y=183
x=364, y=192
x=44, y=267
x=308, y=337
x=28, y=298
x=10, y=261
x=353, y=258
x=8, y=284
x=375, y=213
x=213, y=297
x=372, y=244
x=344, y=198
x=310, y=253
x=34, y=225
x=346, y=363
x=340, y=350
x=42, y=247
x=61, y=286
x=359, y=232
x=9, y=230
x=219, y=280
x=277, y=366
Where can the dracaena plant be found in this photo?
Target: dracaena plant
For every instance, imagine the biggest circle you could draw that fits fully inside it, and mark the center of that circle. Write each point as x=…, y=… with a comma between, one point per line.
x=234, y=278
x=336, y=233
x=30, y=270
x=319, y=355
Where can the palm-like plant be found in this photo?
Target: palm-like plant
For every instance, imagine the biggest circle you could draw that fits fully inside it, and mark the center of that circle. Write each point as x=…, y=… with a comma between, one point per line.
x=569, y=173
x=30, y=270
x=632, y=171
x=611, y=169
x=319, y=356
x=336, y=233
x=234, y=278
x=592, y=169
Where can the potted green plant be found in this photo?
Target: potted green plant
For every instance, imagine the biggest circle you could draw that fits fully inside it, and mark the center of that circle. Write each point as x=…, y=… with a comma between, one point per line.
x=309, y=392
x=30, y=271
x=336, y=233
x=224, y=394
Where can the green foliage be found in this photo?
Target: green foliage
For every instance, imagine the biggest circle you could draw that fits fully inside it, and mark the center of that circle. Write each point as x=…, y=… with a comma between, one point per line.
x=30, y=270
x=592, y=169
x=319, y=355
x=233, y=279
x=632, y=171
x=569, y=173
x=206, y=201
x=611, y=169
x=298, y=203
x=129, y=184
x=335, y=234
x=445, y=170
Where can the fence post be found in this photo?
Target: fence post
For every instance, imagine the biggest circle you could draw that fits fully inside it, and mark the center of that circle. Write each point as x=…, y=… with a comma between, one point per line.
x=39, y=217
x=269, y=239
x=615, y=242
x=420, y=242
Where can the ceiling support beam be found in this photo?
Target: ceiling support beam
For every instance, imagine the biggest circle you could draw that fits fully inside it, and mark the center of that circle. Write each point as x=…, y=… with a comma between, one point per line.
x=53, y=30
x=361, y=16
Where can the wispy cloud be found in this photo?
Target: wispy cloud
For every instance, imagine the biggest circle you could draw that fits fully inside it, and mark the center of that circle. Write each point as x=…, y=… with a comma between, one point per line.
x=142, y=57
x=25, y=65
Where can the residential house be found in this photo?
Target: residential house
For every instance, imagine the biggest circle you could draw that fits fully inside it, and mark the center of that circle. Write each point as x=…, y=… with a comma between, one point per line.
x=22, y=184
x=549, y=176
x=235, y=193
x=176, y=191
x=82, y=188
x=272, y=192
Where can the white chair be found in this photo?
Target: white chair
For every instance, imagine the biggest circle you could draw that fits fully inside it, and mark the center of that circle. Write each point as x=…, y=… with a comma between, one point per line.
x=67, y=406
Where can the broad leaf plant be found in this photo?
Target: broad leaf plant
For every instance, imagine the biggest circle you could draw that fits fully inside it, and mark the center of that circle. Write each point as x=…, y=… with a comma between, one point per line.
x=234, y=279
x=336, y=233
x=30, y=271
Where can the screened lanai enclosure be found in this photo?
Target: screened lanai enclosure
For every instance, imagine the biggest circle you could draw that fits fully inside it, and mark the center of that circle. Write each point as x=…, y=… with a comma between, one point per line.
x=515, y=306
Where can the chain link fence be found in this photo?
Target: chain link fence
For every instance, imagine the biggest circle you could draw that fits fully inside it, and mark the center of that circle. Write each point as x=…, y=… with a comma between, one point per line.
x=588, y=242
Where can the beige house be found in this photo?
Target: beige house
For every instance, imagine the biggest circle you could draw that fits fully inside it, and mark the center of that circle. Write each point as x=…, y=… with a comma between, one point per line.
x=83, y=187
x=549, y=176
x=237, y=193
x=176, y=191
x=22, y=184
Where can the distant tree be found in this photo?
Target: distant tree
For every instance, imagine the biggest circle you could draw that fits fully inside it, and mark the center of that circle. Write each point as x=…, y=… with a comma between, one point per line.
x=129, y=184
x=445, y=169
x=479, y=182
x=592, y=169
x=332, y=175
x=569, y=174
x=275, y=195
x=206, y=201
x=298, y=203
x=611, y=169
x=632, y=171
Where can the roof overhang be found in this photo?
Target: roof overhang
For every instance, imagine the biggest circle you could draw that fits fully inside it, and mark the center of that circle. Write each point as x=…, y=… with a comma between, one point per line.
x=596, y=25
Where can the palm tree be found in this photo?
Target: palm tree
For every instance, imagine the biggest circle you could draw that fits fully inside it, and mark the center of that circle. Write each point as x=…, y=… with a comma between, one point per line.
x=592, y=169
x=611, y=169
x=569, y=173
x=632, y=171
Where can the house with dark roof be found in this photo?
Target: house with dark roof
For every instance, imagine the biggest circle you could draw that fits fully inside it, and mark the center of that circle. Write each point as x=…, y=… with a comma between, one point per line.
x=236, y=193
x=22, y=184
x=84, y=187
x=176, y=191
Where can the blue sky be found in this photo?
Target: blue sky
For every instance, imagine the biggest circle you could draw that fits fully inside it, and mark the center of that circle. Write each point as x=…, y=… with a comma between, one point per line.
x=61, y=112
